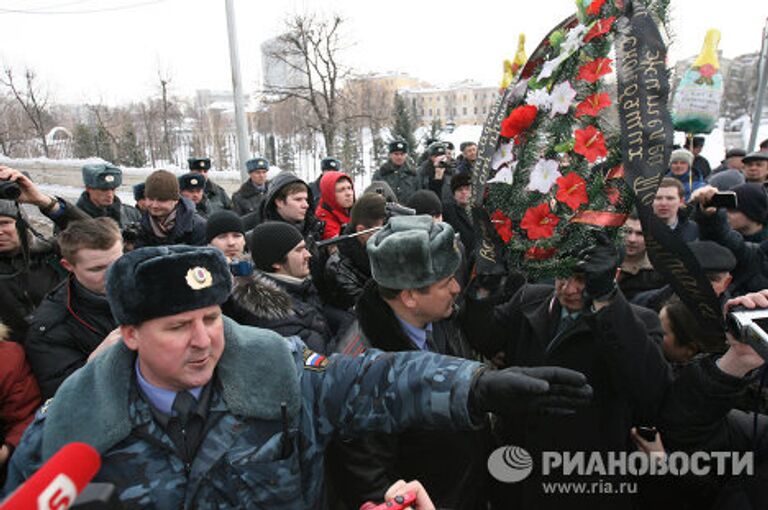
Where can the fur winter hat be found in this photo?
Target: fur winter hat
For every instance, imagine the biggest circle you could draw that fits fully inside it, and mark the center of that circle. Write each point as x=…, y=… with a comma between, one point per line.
x=460, y=180
x=160, y=281
x=161, y=185
x=681, y=155
x=411, y=252
x=256, y=164
x=191, y=181
x=138, y=191
x=102, y=176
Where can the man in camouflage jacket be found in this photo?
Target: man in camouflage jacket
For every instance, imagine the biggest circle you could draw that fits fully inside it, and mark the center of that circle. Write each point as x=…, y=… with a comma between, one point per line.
x=266, y=406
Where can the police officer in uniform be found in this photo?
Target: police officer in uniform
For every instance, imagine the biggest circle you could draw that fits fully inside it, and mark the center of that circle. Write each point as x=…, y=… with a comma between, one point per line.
x=192, y=186
x=248, y=198
x=216, y=194
x=398, y=173
x=100, y=198
x=191, y=410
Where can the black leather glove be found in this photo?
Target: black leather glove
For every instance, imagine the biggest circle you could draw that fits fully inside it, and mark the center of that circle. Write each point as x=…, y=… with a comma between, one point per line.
x=518, y=390
x=599, y=263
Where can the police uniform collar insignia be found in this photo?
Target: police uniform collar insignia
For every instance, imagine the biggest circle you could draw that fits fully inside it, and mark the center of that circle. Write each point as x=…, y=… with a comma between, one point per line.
x=199, y=278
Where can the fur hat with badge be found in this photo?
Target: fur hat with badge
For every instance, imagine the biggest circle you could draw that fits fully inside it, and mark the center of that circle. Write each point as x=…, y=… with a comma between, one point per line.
x=140, y=283
x=412, y=252
x=102, y=176
x=191, y=181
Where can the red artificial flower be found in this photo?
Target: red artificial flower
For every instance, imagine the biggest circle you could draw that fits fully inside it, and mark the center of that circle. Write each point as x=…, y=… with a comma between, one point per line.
x=592, y=71
x=503, y=225
x=539, y=222
x=590, y=143
x=613, y=194
x=707, y=70
x=594, y=7
x=593, y=104
x=572, y=190
x=600, y=28
x=616, y=172
x=538, y=253
x=518, y=121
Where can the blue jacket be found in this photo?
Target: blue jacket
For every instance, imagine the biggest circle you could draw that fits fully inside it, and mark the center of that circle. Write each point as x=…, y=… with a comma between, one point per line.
x=250, y=457
x=189, y=228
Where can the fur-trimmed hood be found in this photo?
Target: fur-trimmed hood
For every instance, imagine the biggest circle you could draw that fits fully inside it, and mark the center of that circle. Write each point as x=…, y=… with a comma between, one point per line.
x=261, y=296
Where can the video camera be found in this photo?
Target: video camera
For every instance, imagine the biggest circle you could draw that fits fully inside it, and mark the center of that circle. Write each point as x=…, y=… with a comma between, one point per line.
x=241, y=268
x=9, y=190
x=749, y=327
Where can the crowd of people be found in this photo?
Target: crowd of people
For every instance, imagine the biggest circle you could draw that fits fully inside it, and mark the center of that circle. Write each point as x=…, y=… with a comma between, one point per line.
x=309, y=345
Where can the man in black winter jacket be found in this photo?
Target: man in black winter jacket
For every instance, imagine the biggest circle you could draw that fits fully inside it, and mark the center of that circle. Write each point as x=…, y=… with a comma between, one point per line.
x=398, y=173
x=437, y=171
x=288, y=200
x=280, y=295
x=75, y=318
x=99, y=198
x=348, y=269
x=248, y=198
x=455, y=211
x=170, y=218
x=29, y=266
x=583, y=323
x=216, y=195
x=409, y=306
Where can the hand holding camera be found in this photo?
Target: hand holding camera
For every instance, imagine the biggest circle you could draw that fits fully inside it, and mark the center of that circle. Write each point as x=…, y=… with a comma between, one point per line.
x=710, y=199
x=747, y=325
x=14, y=185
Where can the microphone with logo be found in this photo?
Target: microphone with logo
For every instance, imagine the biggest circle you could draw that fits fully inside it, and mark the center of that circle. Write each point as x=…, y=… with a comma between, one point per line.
x=58, y=482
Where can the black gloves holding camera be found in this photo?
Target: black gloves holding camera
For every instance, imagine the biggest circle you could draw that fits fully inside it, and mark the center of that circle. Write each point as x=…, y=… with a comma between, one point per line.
x=521, y=390
x=599, y=264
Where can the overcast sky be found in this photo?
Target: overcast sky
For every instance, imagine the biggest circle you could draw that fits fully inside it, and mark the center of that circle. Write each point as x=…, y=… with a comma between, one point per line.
x=114, y=56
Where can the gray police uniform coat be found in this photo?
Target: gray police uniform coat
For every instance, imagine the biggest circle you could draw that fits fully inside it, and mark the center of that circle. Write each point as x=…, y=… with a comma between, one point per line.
x=248, y=458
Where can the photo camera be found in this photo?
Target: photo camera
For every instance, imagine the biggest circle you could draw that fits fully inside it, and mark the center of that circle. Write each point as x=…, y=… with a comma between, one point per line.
x=9, y=190
x=749, y=327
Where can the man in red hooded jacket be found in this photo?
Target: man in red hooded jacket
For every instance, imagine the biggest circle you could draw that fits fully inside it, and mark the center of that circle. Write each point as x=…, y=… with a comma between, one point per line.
x=337, y=195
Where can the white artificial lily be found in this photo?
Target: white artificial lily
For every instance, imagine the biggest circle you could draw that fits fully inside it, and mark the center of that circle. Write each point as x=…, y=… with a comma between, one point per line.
x=544, y=175
x=562, y=98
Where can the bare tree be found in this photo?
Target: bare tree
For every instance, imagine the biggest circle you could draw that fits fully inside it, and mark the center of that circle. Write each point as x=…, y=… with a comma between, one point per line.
x=311, y=49
x=33, y=101
x=13, y=125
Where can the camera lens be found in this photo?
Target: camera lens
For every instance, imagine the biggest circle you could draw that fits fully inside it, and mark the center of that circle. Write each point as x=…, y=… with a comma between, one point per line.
x=9, y=190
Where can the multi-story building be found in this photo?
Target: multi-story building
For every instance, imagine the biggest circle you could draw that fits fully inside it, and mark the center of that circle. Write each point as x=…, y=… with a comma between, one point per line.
x=463, y=103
